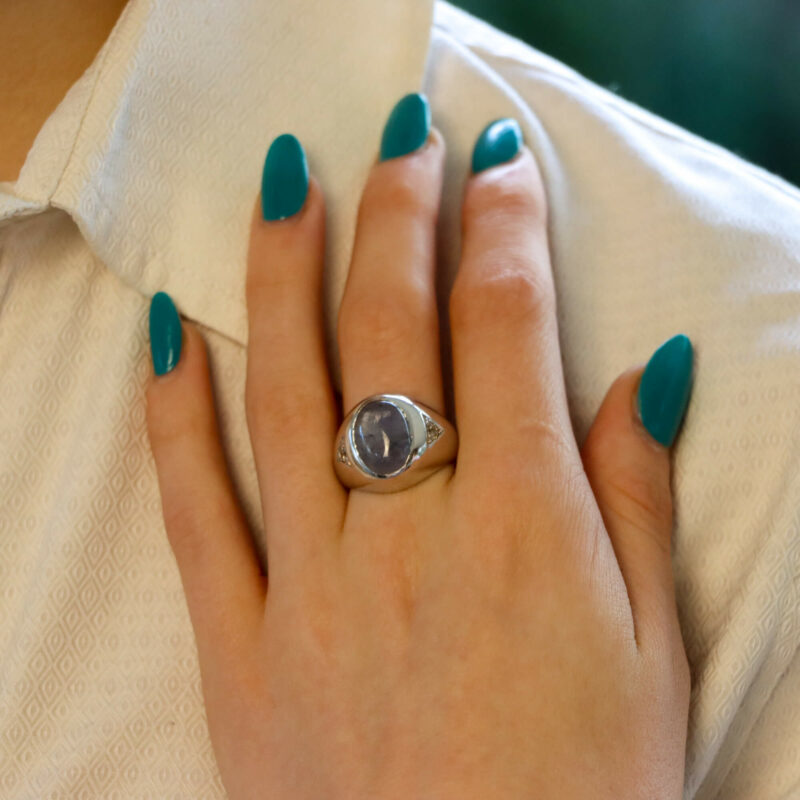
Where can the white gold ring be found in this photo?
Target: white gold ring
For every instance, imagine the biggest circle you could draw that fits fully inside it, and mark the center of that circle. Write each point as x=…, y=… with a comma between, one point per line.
x=388, y=442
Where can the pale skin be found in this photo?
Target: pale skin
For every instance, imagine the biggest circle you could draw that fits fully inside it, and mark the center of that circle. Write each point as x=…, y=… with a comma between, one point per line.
x=507, y=628
x=46, y=45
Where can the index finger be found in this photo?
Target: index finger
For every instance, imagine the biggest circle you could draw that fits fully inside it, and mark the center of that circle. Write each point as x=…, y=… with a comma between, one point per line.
x=508, y=378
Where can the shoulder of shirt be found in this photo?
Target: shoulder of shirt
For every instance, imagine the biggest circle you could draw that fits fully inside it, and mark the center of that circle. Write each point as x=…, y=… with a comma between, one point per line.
x=506, y=55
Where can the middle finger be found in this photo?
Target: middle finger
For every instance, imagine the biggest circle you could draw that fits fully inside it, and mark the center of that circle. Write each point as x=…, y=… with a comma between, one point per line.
x=388, y=327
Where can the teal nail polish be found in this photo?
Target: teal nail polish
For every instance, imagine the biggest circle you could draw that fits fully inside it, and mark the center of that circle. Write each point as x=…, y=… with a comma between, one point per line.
x=665, y=387
x=499, y=142
x=407, y=128
x=165, y=333
x=284, y=181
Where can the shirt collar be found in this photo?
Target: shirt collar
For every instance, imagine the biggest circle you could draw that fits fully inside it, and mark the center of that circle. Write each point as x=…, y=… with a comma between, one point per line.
x=157, y=151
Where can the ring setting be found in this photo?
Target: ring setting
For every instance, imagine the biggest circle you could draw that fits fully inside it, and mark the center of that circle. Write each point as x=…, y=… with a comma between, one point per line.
x=386, y=437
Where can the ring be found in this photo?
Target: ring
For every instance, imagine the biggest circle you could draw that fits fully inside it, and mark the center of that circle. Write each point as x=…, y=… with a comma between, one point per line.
x=388, y=442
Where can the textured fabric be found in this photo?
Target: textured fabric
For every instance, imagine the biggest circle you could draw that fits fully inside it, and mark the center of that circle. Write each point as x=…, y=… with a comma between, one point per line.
x=144, y=179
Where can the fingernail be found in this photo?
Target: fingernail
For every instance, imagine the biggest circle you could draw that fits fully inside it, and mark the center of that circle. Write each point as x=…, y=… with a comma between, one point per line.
x=499, y=142
x=407, y=128
x=165, y=333
x=284, y=181
x=665, y=387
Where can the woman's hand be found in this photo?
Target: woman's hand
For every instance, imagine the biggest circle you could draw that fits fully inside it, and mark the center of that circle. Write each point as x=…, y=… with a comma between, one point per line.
x=506, y=628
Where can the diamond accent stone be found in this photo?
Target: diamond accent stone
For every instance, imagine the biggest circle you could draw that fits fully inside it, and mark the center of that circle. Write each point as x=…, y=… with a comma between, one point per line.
x=341, y=454
x=382, y=437
x=433, y=430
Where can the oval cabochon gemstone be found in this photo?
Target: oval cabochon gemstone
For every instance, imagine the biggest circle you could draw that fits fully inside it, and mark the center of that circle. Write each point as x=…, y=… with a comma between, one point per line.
x=382, y=437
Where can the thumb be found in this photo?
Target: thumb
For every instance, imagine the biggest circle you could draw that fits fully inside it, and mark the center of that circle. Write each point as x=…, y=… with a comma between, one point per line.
x=626, y=456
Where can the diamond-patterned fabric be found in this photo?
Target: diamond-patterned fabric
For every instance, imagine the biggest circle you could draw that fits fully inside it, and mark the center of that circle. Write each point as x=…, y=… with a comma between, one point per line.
x=144, y=179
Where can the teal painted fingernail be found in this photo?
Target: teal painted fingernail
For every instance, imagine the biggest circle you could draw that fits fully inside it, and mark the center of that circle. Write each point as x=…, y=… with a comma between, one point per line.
x=284, y=181
x=499, y=142
x=165, y=333
x=665, y=387
x=407, y=128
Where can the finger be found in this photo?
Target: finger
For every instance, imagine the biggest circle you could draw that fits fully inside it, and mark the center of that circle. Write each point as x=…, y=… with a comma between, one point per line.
x=388, y=326
x=219, y=567
x=508, y=379
x=629, y=472
x=291, y=410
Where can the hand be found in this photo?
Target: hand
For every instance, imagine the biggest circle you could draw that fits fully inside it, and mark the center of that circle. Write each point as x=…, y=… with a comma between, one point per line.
x=506, y=628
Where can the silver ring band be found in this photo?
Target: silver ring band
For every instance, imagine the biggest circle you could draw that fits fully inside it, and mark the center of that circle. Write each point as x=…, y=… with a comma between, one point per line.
x=388, y=442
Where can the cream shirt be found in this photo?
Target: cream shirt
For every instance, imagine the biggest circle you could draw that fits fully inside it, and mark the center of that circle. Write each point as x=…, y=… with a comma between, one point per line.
x=143, y=180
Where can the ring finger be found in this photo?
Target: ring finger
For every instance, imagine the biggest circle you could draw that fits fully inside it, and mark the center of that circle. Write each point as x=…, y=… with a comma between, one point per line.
x=388, y=329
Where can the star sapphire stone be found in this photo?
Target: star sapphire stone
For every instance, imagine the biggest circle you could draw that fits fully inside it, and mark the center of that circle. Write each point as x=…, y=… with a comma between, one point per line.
x=382, y=437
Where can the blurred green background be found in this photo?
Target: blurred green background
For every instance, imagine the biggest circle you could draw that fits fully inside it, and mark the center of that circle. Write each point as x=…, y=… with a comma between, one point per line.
x=728, y=70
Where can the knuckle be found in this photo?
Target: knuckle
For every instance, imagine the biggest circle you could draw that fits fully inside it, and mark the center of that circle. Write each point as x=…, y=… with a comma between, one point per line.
x=376, y=319
x=507, y=292
x=399, y=190
x=273, y=410
x=643, y=505
x=270, y=285
x=500, y=195
x=556, y=473
x=172, y=431
x=193, y=518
